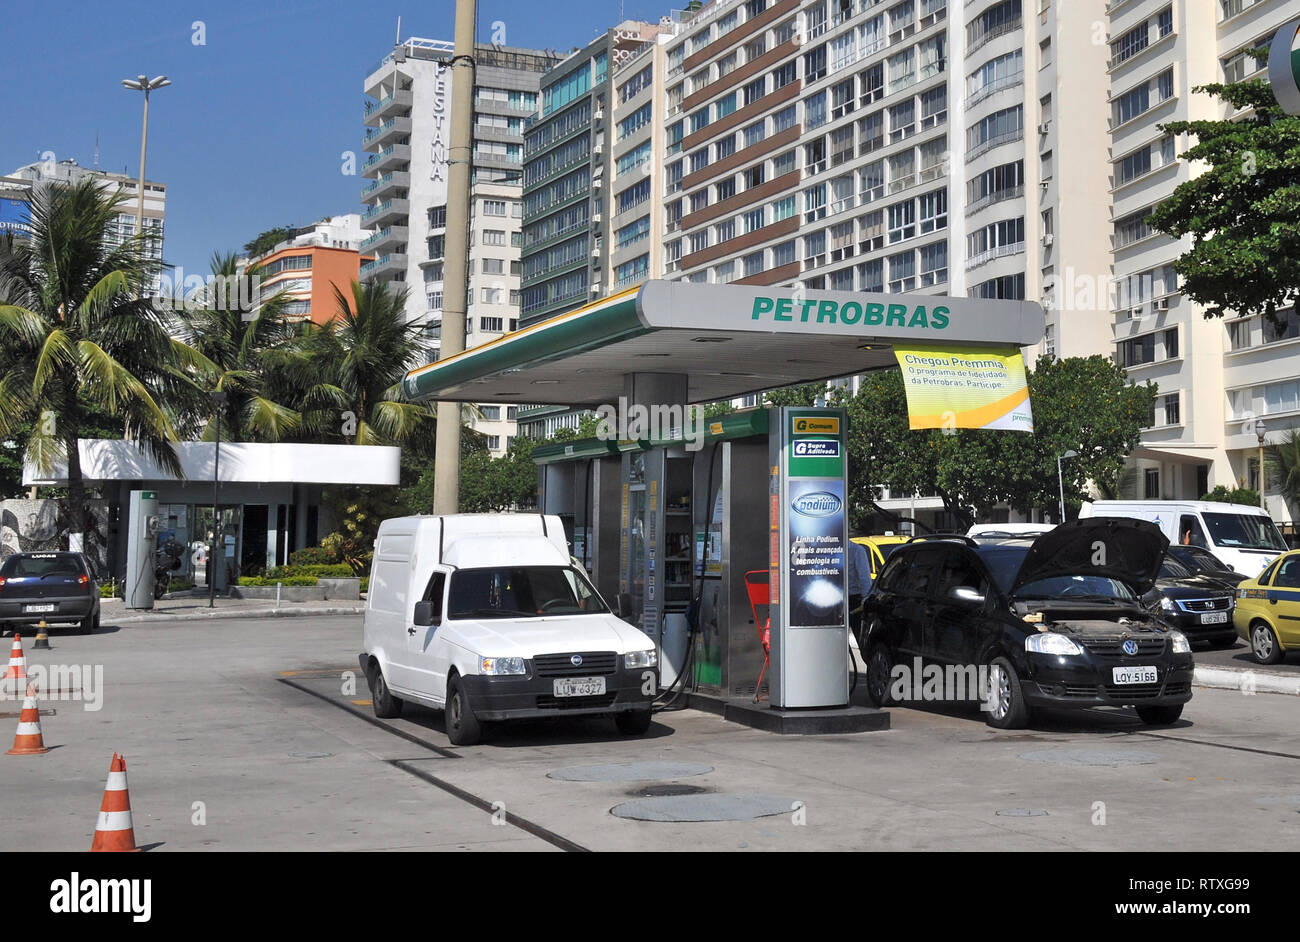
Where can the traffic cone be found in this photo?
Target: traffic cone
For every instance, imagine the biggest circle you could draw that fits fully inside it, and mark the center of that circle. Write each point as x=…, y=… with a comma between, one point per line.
x=42, y=641
x=17, y=661
x=28, y=741
x=113, y=830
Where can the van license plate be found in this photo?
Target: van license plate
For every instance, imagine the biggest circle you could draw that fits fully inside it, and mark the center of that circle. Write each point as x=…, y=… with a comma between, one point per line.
x=32, y=609
x=1135, y=675
x=580, y=687
x=1214, y=618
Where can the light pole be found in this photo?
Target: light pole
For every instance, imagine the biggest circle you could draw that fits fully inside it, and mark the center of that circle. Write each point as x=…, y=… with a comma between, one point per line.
x=218, y=406
x=1060, y=478
x=144, y=84
x=1260, y=432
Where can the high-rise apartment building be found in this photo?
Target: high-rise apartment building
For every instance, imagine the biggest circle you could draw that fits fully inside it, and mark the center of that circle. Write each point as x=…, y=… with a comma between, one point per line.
x=1217, y=378
x=408, y=121
x=311, y=263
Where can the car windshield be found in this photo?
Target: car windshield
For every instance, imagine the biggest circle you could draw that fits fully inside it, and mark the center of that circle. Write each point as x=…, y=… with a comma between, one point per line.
x=1004, y=563
x=1244, y=531
x=1172, y=569
x=43, y=564
x=521, y=592
x=1199, y=560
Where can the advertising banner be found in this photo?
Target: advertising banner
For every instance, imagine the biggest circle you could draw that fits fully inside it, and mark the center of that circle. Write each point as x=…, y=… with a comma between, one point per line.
x=816, y=553
x=965, y=387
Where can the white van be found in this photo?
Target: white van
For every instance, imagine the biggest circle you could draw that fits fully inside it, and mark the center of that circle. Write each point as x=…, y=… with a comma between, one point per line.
x=485, y=617
x=1242, y=536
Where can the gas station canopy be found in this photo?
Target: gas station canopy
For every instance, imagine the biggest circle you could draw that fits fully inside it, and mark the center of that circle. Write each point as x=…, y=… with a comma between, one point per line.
x=728, y=340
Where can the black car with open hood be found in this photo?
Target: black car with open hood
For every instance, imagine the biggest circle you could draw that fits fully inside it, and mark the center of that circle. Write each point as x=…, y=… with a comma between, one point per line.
x=1058, y=622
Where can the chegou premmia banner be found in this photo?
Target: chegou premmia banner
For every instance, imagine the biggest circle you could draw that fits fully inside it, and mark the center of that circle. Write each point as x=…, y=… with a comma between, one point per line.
x=970, y=387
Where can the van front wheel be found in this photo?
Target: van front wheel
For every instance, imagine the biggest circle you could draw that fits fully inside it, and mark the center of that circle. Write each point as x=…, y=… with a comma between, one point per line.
x=463, y=727
x=632, y=722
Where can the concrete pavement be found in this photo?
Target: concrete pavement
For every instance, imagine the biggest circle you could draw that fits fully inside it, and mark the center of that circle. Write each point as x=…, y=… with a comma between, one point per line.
x=214, y=732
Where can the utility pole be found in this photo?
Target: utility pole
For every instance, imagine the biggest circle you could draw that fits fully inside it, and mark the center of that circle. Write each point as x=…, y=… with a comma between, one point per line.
x=446, y=462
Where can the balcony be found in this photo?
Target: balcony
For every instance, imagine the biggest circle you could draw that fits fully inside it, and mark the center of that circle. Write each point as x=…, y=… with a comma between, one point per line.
x=392, y=157
x=387, y=212
x=1000, y=251
x=386, y=239
x=385, y=267
x=386, y=133
x=398, y=103
x=390, y=184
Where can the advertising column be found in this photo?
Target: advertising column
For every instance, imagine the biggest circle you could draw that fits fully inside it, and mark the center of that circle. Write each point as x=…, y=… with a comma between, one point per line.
x=810, y=603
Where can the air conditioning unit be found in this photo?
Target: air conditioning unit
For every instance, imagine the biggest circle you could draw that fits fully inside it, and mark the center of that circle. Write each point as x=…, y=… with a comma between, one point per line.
x=595, y=287
x=1048, y=239
x=598, y=114
x=1160, y=304
x=597, y=183
x=598, y=147
x=1042, y=128
x=595, y=217
x=595, y=251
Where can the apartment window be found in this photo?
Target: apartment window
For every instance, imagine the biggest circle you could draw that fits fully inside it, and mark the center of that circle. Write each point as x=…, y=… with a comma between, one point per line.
x=814, y=203
x=494, y=237
x=997, y=128
x=726, y=231
x=783, y=208
x=635, y=85
x=996, y=20
x=698, y=120
x=783, y=119
x=784, y=33
x=1132, y=228
x=783, y=254
x=1286, y=326
x=1045, y=165
x=634, y=195
x=934, y=211
x=725, y=273
x=844, y=50
x=724, y=147
x=754, y=176
x=434, y=299
x=491, y=413
x=814, y=66
x=1130, y=44
x=902, y=70
x=699, y=199
x=699, y=241
x=1045, y=53
x=1165, y=22
x=934, y=107
x=1169, y=405
x=493, y=295
x=902, y=120
x=753, y=219
x=698, y=160
x=1002, y=72
x=871, y=83
x=871, y=132
x=1171, y=343
x=1005, y=288
x=934, y=264
x=632, y=233
x=902, y=221
x=871, y=275
x=494, y=207
x=724, y=106
x=814, y=111
x=438, y=217
x=1137, y=351
x=633, y=159
x=494, y=324
x=1004, y=182
x=902, y=169
x=783, y=76
x=999, y=238
x=1151, y=483
x=902, y=271
x=932, y=56
x=753, y=264
x=726, y=189
x=753, y=134
x=755, y=48
x=783, y=164
x=493, y=266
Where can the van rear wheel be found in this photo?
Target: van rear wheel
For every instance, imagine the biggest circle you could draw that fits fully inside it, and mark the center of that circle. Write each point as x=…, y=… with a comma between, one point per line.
x=463, y=727
x=382, y=700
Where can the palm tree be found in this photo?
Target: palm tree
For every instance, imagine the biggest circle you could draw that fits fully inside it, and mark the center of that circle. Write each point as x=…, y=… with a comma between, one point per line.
x=351, y=369
x=1283, y=459
x=246, y=350
x=80, y=334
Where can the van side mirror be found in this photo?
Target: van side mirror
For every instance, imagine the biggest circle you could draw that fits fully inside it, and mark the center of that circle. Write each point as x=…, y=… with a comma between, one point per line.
x=966, y=597
x=425, y=614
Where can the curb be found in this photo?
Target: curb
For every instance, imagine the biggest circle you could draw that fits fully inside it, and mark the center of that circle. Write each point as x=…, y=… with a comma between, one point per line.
x=246, y=613
x=1227, y=678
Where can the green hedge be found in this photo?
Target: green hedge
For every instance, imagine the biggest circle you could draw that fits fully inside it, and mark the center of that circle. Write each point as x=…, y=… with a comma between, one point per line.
x=320, y=570
x=313, y=556
x=365, y=583
x=285, y=580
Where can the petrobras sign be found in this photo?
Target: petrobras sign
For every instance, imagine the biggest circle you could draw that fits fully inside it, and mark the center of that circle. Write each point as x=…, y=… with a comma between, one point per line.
x=816, y=504
x=1284, y=68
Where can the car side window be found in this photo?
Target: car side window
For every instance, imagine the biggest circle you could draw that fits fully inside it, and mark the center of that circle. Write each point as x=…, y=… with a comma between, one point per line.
x=1266, y=576
x=434, y=593
x=1190, y=532
x=920, y=571
x=961, y=570
x=1288, y=573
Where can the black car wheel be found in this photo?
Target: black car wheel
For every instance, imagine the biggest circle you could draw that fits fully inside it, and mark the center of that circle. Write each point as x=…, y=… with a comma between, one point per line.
x=1005, y=707
x=632, y=722
x=1263, y=644
x=88, y=624
x=880, y=668
x=463, y=727
x=382, y=700
x=1160, y=715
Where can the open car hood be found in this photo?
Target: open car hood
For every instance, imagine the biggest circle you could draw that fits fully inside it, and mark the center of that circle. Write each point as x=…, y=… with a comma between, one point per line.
x=1127, y=550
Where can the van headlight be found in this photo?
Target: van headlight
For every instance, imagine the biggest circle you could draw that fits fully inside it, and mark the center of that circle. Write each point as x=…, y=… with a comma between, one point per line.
x=1180, y=643
x=635, y=659
x=1051, y=642
x=499, y=666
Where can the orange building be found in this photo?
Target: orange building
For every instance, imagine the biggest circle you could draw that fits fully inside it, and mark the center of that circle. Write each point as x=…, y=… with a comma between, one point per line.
x=311, y=263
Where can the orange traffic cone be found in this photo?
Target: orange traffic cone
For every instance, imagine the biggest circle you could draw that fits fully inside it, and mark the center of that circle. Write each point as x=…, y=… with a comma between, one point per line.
x=28, y=741
x=113, y=830
x=17, y=661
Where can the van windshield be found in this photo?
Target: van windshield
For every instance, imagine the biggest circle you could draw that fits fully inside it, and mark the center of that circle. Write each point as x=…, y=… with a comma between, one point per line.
x=521, y=592
x=1244, y=531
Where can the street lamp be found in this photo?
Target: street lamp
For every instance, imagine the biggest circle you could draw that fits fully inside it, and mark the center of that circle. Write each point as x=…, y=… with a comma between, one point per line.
x=144, y=84
x=218, y=398
x=1060, y=478
x=1260, y=432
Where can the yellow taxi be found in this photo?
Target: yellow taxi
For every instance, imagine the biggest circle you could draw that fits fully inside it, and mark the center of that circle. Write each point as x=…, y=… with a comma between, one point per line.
x=879, y=546
x=1268, y=610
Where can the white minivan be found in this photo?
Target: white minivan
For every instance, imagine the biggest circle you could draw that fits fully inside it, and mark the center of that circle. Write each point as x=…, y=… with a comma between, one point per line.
x=484, y=616
x=1242, y=536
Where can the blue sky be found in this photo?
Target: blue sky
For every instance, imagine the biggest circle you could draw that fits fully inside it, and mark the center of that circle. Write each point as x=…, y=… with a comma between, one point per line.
x=251, y=134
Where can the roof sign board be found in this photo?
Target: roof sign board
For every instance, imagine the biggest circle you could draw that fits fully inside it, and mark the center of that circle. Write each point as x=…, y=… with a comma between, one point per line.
x=965, y=387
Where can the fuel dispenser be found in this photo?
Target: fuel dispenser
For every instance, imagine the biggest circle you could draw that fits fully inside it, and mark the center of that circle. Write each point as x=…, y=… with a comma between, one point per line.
x=141, y=544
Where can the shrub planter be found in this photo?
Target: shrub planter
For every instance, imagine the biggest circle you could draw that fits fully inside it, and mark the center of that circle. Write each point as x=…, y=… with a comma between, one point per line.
x=344, y=589
x=288, y=593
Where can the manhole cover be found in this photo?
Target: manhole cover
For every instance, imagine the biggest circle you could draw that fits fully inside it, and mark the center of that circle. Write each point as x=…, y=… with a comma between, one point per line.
x=663, y=791
x=706, y=807
x=310, y=755
x=1020, y=813
x=1110, y=757
x=1278, y=800
x=630, y=772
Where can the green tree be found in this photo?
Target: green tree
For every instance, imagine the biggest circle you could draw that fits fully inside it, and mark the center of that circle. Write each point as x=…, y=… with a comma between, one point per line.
x=246, y=346
x=265, y=241
x=1233, y=495
x=350, y=372
x=490, y=484
x=79, y=333
x=1243, y=212
x=803, y=394
x=1283, y=459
